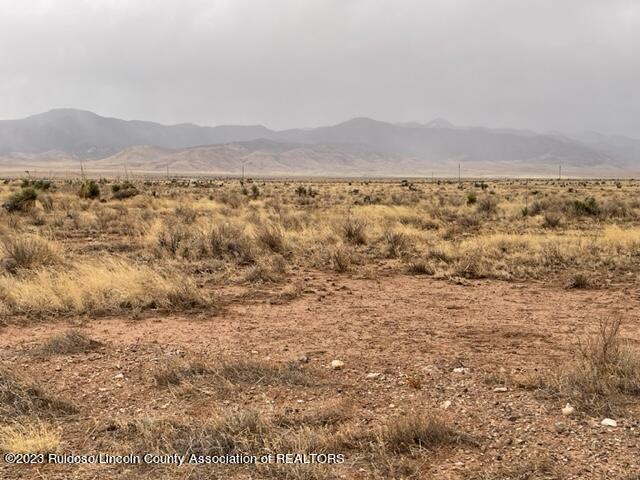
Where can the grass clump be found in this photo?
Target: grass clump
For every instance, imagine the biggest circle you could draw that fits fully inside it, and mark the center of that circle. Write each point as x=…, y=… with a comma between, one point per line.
x=105, y=285
x=28, y=252
x=32, y=437
x=404, y=434
x=354, y=230
x=18, y=399
x=69, y=342
x=605, y=370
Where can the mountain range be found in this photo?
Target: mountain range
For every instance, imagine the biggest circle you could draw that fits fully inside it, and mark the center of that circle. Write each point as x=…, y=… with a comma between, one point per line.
x=59, y=139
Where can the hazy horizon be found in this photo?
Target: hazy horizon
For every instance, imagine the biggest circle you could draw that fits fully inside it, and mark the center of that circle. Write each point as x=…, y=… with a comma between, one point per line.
x=544, y=66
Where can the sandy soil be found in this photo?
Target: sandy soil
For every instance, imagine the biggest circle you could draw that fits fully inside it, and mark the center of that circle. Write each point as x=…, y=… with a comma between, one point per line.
x=399, y=326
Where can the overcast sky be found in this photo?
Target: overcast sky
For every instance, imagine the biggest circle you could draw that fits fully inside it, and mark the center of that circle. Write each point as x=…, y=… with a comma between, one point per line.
x=566, y=65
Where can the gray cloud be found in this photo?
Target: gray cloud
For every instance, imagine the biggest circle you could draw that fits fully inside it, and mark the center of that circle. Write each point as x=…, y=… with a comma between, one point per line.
x=542, y=64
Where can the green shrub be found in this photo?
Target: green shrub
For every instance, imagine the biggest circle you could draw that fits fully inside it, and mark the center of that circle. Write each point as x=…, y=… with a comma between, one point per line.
x=89, y=189
x=587, y=207
x=22, y=200
x=472, y=198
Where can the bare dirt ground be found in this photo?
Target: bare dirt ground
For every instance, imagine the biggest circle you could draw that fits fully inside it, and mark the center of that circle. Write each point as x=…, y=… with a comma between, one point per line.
x=413, y=331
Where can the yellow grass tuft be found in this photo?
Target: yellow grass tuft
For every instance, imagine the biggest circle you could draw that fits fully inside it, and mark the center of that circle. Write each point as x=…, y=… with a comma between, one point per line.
x=35, y=437
x=102, y=285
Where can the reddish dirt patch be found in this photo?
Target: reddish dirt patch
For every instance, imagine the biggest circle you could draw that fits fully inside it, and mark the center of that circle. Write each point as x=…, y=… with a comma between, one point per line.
x=400, y=326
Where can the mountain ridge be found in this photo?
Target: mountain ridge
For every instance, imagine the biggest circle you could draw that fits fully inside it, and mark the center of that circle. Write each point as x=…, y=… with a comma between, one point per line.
x=358, y=143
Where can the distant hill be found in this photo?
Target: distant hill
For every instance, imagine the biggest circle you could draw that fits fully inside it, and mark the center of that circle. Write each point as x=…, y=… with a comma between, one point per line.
x=360, y=146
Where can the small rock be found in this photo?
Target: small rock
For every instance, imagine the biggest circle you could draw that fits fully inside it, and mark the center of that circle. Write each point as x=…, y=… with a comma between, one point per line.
x=337, y=364
x=372, y=376
x=500, y=389
x=303, y=359
x=58, y=368
x=609, y=422
x=119, y=376
x=460, y=370
x=446, y=404
x=568, y=410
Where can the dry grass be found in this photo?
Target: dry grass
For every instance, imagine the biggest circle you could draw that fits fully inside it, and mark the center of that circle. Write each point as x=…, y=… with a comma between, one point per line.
x=406, y=434
x=69, y=342
x=219, y=234
x=18, y=398
x=605, y=371
x=233, y=372
x=33, y=437
x=326, y=431
x=102, y=285
x=27, y=252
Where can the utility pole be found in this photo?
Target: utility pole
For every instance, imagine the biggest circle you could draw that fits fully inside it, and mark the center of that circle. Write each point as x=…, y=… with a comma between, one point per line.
x=82, y=170
x=243, y=172
x=459, y=181
x=560, y=171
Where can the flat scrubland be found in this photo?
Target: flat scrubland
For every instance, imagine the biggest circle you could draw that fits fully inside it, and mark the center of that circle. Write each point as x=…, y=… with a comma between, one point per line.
x=421, y=329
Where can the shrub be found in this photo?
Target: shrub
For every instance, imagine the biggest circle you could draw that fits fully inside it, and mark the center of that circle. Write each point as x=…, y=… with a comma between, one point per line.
x=579, y=281
x=605, y=369
x=420, y=267
x=71, y=341
x=89, y=189
x=272, y=236
x=396, y=243
x=22, y=200
x=28, y=252
x=587, y=207
x=472, y=198
x=226, y=239
x=487, y=205
x=123, y=193
x=551, y=220
x=354, y=230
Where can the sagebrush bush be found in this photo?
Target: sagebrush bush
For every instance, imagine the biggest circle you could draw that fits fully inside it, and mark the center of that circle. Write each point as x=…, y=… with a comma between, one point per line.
x=89, y=189
x=23, y=200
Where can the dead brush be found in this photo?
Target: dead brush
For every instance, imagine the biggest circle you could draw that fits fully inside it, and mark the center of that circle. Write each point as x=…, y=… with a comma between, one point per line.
x=232, y=372
x=271, y=270
x=396, y=243
x=339, y=258
x=244, y=431
x=272, y=236
x=17, y=398
x=333, y=414
x=229, y=240
x=420, y=267
x=605, y=370
x=28, y=252
x=540, y=467
x=186, y=214
x=173, y=239
x=69, y=342
x=353, y=230
x=579, y=280
x=173, y=373
x=404, y=434
x=254, y=373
